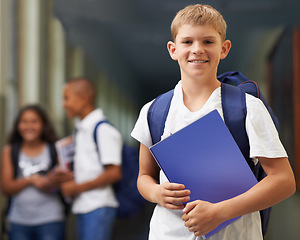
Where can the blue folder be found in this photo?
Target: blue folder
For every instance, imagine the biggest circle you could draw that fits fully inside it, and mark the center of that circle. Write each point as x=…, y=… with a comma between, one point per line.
x=205, y=158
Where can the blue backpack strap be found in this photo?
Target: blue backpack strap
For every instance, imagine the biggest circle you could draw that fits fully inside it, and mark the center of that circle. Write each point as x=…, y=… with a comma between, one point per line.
x=95, y=132
x=235, y=111
x=234, y=101
x=157, y=115
x=238, y=79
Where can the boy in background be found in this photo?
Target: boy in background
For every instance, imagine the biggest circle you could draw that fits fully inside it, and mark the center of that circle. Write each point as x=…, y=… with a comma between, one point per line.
x=95, y=170
x=199, y=43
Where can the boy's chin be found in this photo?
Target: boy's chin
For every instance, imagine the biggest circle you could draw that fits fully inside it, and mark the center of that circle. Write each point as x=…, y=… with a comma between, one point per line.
x=70, y=115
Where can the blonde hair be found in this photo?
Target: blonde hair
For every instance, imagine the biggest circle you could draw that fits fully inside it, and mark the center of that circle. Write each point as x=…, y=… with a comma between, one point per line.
x=199, y=15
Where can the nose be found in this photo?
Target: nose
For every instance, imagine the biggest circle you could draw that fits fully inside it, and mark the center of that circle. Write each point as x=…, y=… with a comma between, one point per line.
x=197, y=48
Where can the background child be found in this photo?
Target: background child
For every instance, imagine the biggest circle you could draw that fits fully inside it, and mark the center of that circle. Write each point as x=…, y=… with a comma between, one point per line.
x=199, y=35
x=94, y=170
x=36, y=211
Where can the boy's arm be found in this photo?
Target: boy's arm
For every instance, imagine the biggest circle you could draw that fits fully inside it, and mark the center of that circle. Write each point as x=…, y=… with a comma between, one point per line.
x=111, y=174
x=278, y=185
x=169, y=195
x=202, y=217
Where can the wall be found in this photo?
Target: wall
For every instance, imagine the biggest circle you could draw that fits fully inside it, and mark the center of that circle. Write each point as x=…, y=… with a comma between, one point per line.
x=36, y=60
x=277, y=86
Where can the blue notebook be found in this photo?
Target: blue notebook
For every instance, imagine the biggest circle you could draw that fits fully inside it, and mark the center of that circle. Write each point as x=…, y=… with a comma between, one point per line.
x=205, y=158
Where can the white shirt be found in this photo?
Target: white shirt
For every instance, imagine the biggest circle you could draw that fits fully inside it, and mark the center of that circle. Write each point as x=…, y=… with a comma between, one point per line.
x=89, y=164
x=264, y=141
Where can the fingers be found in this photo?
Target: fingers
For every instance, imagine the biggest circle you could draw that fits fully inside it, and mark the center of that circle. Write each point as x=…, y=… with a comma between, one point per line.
x=178, y=194
x=189, y=214
x=61, y=176
x=190, y=206
x=174, y=190
x=173, y=186
x=175, y=202
x=188, y=217
x=192, y=226
x=40, y=182
x=173, y=195
x=66, y=176
x=199, y=233
x=201, y=217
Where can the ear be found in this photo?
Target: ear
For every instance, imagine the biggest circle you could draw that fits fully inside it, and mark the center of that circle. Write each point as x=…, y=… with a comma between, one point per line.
x=225, y=49
x=172, y=50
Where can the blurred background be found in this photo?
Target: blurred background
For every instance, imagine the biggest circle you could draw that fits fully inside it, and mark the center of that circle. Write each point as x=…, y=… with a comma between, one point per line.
x=121, y=46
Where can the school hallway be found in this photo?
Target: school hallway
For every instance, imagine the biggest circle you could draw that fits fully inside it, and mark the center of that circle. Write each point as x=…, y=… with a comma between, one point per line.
x=121, y=46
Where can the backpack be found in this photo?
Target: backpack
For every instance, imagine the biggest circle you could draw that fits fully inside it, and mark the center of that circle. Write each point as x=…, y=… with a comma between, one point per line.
x=233, y=88
x=127, y=194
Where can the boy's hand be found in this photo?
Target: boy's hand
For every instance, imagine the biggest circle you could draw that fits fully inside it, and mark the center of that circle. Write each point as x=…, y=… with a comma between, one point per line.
x=59, y=176
x=202, y=217
x=173, y=195
x=69, y=189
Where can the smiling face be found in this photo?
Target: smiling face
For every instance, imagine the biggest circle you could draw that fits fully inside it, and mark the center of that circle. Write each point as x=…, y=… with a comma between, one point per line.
x=73, y=103
x=30, y=126
x=79, y=97
x=198, y=50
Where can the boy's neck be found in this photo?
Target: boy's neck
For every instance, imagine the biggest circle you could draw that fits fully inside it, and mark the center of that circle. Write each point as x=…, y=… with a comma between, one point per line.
x=86, y=111
x=197, y=91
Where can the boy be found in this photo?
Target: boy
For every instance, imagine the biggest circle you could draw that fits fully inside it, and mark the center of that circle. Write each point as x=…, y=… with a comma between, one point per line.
x=94, y=170
x=199, y=43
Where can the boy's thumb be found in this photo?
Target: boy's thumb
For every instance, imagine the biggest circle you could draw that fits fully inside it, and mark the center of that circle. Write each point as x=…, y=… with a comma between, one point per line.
x=189, y=206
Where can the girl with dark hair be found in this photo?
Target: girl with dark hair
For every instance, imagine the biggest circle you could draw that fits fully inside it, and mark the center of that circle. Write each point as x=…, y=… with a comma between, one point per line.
x=47, y=132
x=30, y=178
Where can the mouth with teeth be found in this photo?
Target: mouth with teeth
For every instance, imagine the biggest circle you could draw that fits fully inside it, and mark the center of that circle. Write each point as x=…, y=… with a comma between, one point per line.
x=198, y=61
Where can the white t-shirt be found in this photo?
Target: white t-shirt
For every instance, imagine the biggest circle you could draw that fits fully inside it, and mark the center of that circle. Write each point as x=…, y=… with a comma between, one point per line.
x=89, y=164
x=264, y=141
